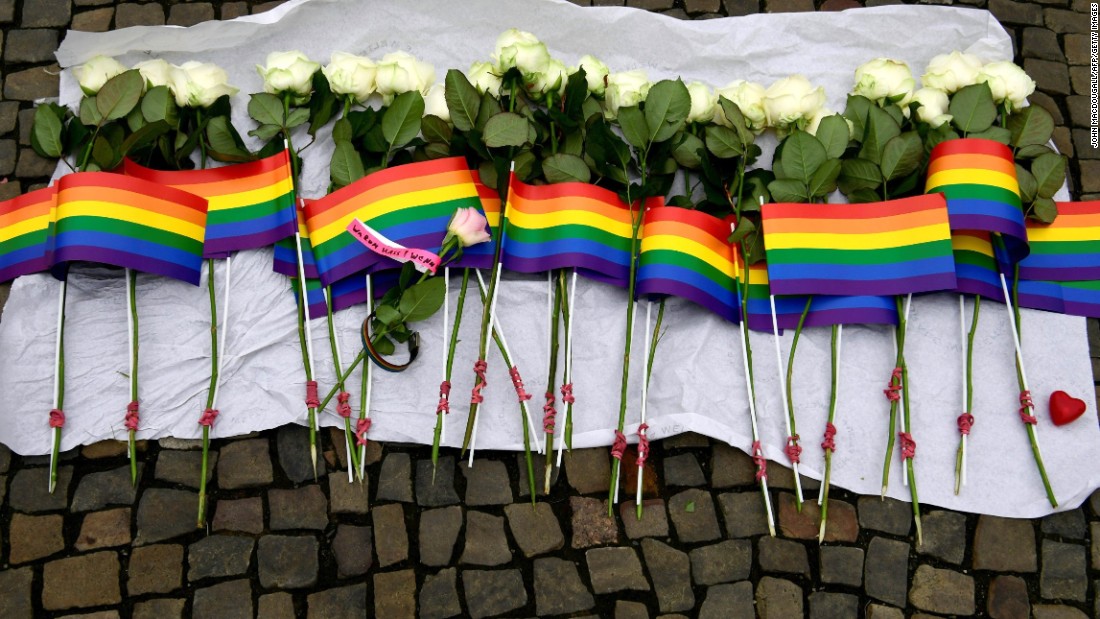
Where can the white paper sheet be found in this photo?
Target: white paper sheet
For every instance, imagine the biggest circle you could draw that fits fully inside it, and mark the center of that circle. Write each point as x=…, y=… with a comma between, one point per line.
x=698, y=384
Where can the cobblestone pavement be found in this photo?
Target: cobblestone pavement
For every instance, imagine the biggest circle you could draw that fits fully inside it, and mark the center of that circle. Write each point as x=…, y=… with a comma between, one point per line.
x=280, y=544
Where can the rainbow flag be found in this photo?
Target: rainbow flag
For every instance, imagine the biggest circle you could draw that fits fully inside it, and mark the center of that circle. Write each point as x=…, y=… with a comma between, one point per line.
x=250, y=205
x=880, y=248
x=128, y=222
x=286, y=252
x=684, y=253
x=480, y=256
x=1068, y=249
x=976, y=264
x=26, y=226
x=409, y=204
x=568, y=225
x=978, y=179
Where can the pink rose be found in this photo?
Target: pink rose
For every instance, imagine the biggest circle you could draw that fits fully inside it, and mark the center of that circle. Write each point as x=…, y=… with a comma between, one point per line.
x=469, y=226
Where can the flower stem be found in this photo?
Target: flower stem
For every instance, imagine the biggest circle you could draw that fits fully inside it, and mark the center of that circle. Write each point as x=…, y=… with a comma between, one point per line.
x=552, y=372
x=459, y=305
x=486, y=313
x=969, y=389
x=565, y=314
x=349, y=434
x=899, y=338
x=131, y=277
x=201, y=520
x=788, y=386
x=835, y=375
x=909, y=469
x=654, y=339
x=59, y=393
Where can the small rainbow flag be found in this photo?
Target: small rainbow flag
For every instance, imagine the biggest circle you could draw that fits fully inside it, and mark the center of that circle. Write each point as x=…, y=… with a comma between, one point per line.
x=976, y=264
x=568, y=225
x=686, y=253
x=286, y=252
x=880, y=248
x=26, y=226
x=250, y=205
x=978, y=179
x=1068, y=249
x=128, y=222
x=410, y=204
x=480, y=256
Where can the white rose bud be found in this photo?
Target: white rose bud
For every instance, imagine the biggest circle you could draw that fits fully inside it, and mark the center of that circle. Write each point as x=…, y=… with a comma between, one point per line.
x=703, y=101
x=92, y=75
x=349, y=74
x=933, y=106
x=199, y=84
x=552, y=80
x=156, y=72
x=289, y=72
x=951, y=72
x=624, y=90
x=790, y=100
x=400, y=72
x=484, y=77
x=521, y=50
x=749, y=97
x=596, y=74
x=1008, y=82
x=883, y=79
x=435, y=103
x=815, y=121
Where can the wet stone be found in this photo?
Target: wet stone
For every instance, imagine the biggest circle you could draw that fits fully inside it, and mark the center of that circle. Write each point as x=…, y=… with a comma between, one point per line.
x=1008, y=598
x=164, y=514
x=841, y=525
x=1041, y=43
x=241, y=515
x=227, y=600
x=730, y=467
x=630, y=610
x=670, y=571
x=439, y=596
x=104, y=529
x=1068, y=525
x=342, y=602
x=591, y=524
x=287, y=561
x=654, y=522
x=558, y=588
x=302, y=508
x=693, y=516
x=184, y=467
x=782, y=477
x=879, y=611
x=190, y=14
x=889, y=516
x=108, y=448
x=34, y=537
x=730, y=600
x=46, y=13
x=292, y=445
x=538, y=463
x=163, y=608
x=276, y=606
x=885, y=573
x=81, y=582
x=744, y=513
x=139, y=15
x=485, y=540
x=588, y=470
x=391, y=539
x=495, y=592
x=727, y=561
x=1008, y=11
x=438, y=533
x=487, y=483
x=244, y=464
x=439, y=491
x=348, y=498
x=683, y=470
x=30, y=46
x=31, y=165
x=15, y=593
x=783, y=556
x=1004, y=545
x=535, y=528
x=944, y=536
x=1064, y=575
x=219, y=556
x=31, y=84
x=841, y=565
x=685, y=440
x=1094, y=535
x=98, y=20
x=942, y=591
x=615, y=569
x=155, y=569
x=233, y=10
x=778, y=599
x=5, y=453
x=825, y=605
x=29, y=491
x=352, y=548
x=1053, y=611
x=395, y=478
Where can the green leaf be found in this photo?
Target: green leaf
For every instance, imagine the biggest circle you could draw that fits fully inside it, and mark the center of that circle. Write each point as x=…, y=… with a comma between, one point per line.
x=995, y=133
x=134, y=120
x=1044, y=210
x=387, y=315
x=832, y=132
x=524, y=162
x=435, y=129
x=120, y=94
x=689, y=507
x=881, y=128
x=823, y=182
x=972, y=108
x=224, y=139
x=902, y=155
x=1030, y=126
x=505, y=129
x=686, y=151
x=322, y=103
x=562, y=168
x=737, y=120
x=490, y=107
x=856, y=174
x=856, y=109
x=422, y=300
x=1050, y=173
x=143, y=137
x=46, y=132
x=463, y=100
x=266, y=109
x=723, y=142
x=383, y=345
x=802, y=155
x=89, y=112
x=159, y=104
x=789, y=190
x=298, y=116
x=744, y=228
x=103, y=154
x=346, y=166
x=1033, y=151
x=862, y=196
x=635, y=129
x=342, y=130
x=266, y=132
x=666, y=107
x=1029, y=187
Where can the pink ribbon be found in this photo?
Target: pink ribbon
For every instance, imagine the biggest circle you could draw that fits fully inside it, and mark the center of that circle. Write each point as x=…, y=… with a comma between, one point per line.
x=1025, y=406
x=830, y=434
x=517, y=382
x=965, y=421
x=57, y=418
x=549, y=413
x=908, y=446
x=208, y=417
x=794, y=450
x=444, y=405
x=643, y=445
x=423, y=260
x=361, y=429
x=132, y=415
x=567, y=393
x=312, y=401
x=479, y=368
x=893, y=392
x=760, y=461
x=342, y=407
x=618, y=448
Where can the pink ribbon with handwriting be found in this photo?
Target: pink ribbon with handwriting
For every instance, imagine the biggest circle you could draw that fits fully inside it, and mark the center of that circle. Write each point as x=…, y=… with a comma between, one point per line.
x=422, y=259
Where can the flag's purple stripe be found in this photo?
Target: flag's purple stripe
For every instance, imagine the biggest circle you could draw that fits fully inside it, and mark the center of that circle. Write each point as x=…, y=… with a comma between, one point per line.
x=691, y=293
x=222, y=244
x=63, y=255
x=24, y=261
x=897, y=285
x=845, y=316
x=589, y=262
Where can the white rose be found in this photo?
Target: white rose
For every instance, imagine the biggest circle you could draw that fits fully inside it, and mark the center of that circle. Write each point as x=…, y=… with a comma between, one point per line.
x=1008, y=83
x=92, y=75
x=435, y=103
x=156, y=72
x=400, y=72
x=933, y=106
x=484, y=77
x=790, y=100
x=749, y=97
x=951, y=72
x=596, y=74
x=815, y=121
x=703, y=102
x=349, y=74
x=883, y=79
x=289, y=72
x=552, y=80
x=624, y=90
x=521, y=50
x=199, y=84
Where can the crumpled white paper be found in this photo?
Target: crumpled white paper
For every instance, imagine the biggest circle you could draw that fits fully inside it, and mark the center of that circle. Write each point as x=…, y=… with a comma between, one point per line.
x=698, y=383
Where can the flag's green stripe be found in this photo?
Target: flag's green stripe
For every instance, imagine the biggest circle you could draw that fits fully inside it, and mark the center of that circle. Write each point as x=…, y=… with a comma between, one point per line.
x=398, y=217
x=689, y=262
x=38, y=237
x=568, y=231
x=249, y=212
x=1065, y=247
x=978, y=192
x=133, y=230
x=974, y=258
x=892, y=255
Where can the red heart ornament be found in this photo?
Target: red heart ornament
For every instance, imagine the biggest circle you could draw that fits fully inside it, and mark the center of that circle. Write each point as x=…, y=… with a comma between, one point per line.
x=1065, y=408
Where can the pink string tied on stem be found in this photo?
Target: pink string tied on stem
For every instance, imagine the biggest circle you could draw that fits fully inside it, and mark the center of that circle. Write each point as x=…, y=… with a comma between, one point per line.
x=760, y=461
x=643, y=445
x=361, y=429
x=342, y=407
x=208, y=416
x=893, y=391
x=618, y=448
x=312, y=401
x=57, y=418
x=549, y=414
x=793, y=449
x=829, y=443
x=517, y=382
x=965, y=422
x=444, y=405
x=479, y=368
x=567, y=393
x=132, y=416
x=908, y=446
x=1025, y=406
